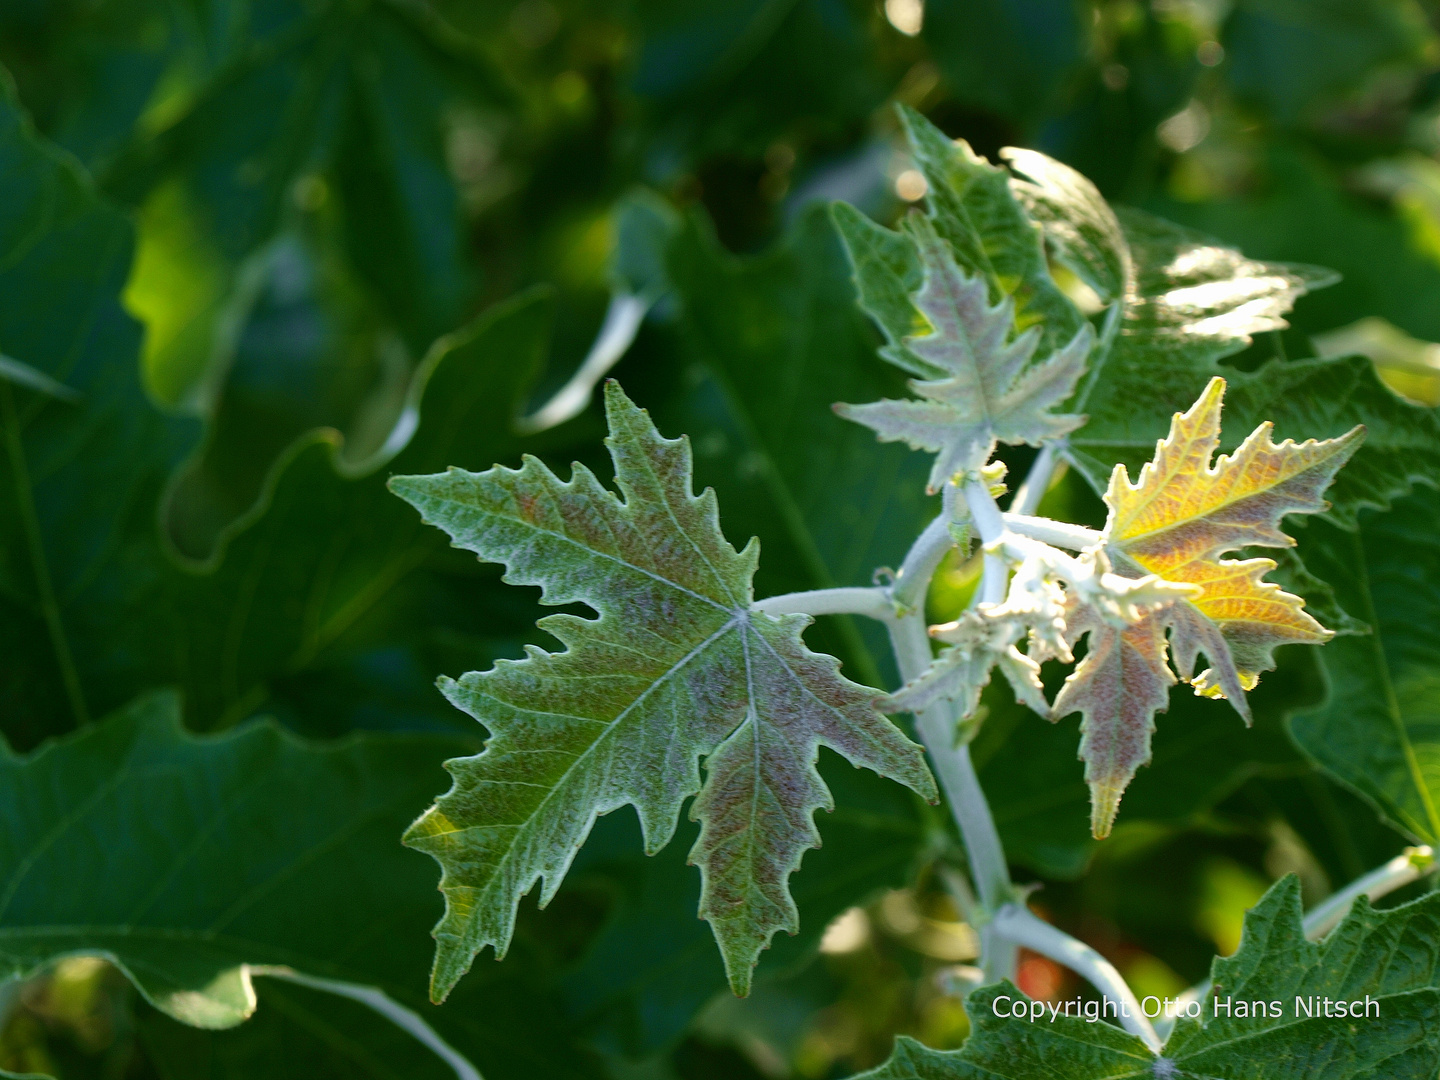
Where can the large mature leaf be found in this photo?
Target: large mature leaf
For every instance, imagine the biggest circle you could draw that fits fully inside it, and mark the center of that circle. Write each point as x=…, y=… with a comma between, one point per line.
x=332, y=593
x=184, y=860
x=1385, y=960
x=353, y=96
x=1176, y=522
x=987, y=391
x=676, y=667
x=63, y=259
x=1379, y=729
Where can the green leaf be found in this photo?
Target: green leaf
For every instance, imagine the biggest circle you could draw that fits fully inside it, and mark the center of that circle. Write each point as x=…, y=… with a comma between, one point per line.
x=1377, y=731
x=1292, y=58
x=347, y=100
x=1385, y=958
x=988, y=390
x=63, y=259
x=675, y=637
x=329, y=580
x=184, y=859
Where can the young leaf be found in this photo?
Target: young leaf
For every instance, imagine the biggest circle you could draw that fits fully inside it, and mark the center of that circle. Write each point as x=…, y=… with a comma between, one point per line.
x=1175, y=523
x=986, y=389
x=972, y=208
x=1385, y=960
x=1376, y=730
x=1037, y=604
x=677, y=666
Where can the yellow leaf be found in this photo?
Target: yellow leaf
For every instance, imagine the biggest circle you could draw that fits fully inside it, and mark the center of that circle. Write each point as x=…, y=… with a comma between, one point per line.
x=1176, y=522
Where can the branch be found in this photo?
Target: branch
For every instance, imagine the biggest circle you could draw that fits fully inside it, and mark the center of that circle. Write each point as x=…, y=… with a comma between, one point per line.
x=923, y=559
x=1028, y=495
x=1411, y=865
x=1055, y=533
x=873, y=601
x=1017, y=923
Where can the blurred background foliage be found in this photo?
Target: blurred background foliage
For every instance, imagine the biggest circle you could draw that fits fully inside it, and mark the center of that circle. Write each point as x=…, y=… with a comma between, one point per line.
x=321, y=189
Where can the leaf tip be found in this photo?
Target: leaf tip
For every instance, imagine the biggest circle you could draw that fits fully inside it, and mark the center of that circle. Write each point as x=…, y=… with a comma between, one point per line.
x=1104, y=806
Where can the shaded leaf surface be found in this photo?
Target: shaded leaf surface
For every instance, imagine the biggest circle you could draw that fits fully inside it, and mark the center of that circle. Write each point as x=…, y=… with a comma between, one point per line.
x=184, y=859
x=675, y=668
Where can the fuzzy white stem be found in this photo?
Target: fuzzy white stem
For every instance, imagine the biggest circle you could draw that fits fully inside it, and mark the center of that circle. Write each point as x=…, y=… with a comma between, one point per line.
x=1037, y=481
x=923, y=559
x=1017, y=923
x=1055, y=533
x=617, y=332
x=1400, y=871
x=872, y=601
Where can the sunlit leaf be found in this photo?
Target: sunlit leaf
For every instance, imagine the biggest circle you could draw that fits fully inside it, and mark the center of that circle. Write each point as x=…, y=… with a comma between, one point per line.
x=676, y=667
x=1176, y=522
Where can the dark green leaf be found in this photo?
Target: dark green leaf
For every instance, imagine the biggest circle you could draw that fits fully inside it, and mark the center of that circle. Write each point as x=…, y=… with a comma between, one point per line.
x=1290, y=56
x=184, y=859
x=1379, y=730
x=1010, y=56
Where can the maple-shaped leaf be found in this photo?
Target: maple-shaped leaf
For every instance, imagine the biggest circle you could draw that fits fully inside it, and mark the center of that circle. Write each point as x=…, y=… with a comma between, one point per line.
x=989, y=389
x=1176, y=522
x=677, y=666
